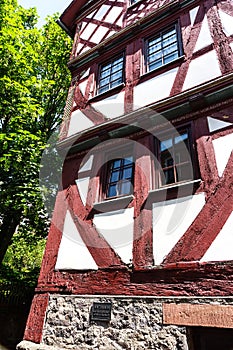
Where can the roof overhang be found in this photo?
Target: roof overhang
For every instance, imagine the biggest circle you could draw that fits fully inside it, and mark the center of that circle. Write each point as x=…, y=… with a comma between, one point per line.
x=68, y=18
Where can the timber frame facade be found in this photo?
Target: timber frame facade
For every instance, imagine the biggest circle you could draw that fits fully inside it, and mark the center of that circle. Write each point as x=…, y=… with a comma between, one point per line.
x=145, y=203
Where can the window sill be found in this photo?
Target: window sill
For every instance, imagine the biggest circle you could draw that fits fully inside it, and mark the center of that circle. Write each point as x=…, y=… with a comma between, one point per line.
x=114, y=204
x=178, y=190
x=107, y=93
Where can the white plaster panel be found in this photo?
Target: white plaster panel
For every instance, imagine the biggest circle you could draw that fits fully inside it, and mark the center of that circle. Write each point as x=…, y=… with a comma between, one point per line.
x=202, y=69
x=78, y=122
x=85, y=73
x=79, y=48
x=83, y=185
x=223, y=147
x=221, y=248
x=101, y=12
x=193, y=14
x=216, y=124
x=85, y=35
x=83, y=86
x=154, y=89
x=120, y=21
x=112, y=106
x=73, y=253
x=87, y=164
x=171, y=219
x=113, y=14
x=99, y=34
x=90, y=15
x=204, y=38
x=117, y=229
x=227, y=22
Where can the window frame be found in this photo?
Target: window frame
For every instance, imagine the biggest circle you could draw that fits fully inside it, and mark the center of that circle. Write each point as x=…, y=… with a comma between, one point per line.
x=106, y=174
x=159, y=34
x=99, y=78
x=157, y=182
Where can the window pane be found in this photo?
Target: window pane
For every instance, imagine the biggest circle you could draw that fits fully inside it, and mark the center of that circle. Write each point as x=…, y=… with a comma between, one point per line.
x=116, y=163
x=165, y=144
x=175, y=159
x=154, y=57
x=184, y=172
x=170, y=57
x=181, y=148
x=103, y=89
x=181, y=138
x=117, y=76
x=128, y=160
x=105, y=73
x=169, y=40
x=170, y=49
x=104, y=82
x=127, y=173
x=162, y=49
x=125, y=187
x=169, y=33
x=111, y=74
x=117, y=66
x=167, y=177
x=115, y=83
x=112, y=192
x=154, y=45
x=106, y=67
x=115, y=176
x=120, y=177
x=155, y=64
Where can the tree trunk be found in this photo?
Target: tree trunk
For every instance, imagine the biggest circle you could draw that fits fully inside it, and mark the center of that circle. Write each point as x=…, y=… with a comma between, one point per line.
x=7, y=230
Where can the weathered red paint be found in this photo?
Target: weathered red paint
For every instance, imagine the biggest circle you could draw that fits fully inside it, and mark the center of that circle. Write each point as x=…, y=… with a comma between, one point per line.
x=190, y=38
x=177, y=279
x=35, y=322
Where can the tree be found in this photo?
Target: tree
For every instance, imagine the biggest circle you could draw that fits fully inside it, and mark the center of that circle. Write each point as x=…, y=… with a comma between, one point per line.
x=34, y=81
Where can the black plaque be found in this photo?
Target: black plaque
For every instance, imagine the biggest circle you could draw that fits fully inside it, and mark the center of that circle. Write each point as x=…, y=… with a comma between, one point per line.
x=101, y=312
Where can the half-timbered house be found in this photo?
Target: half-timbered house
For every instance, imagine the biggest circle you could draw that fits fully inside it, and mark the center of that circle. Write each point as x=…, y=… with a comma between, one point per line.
x=140, y=249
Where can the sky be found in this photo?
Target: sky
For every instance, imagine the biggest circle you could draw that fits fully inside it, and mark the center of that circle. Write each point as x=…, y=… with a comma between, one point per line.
x=46, y=7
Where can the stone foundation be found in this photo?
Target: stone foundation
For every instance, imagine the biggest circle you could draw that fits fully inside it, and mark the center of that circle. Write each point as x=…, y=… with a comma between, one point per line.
x=136, y=324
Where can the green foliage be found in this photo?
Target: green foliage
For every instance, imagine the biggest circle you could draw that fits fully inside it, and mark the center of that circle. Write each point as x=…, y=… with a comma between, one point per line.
x=34, y=81
x=23, y=259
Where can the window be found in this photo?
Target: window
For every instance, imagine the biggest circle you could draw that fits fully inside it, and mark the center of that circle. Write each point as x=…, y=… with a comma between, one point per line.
x=133, y=2
x=111, y=74
x=163, y=48
x=174, y=154
x=119, y=177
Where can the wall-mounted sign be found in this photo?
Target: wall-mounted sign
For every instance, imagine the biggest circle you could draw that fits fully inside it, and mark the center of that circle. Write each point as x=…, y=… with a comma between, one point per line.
x=101, y=312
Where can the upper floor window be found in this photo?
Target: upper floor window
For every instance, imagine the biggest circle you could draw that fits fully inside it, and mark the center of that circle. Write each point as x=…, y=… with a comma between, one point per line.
x=163, y=48
x=120, y=177
x=174, y=155
x=111, y=74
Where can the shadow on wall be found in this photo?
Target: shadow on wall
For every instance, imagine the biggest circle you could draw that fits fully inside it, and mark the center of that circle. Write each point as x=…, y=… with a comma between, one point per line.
x=15, y=302
x=12, y=324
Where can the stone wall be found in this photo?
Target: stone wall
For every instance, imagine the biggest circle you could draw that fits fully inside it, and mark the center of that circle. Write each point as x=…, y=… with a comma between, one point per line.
x=136, y=324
